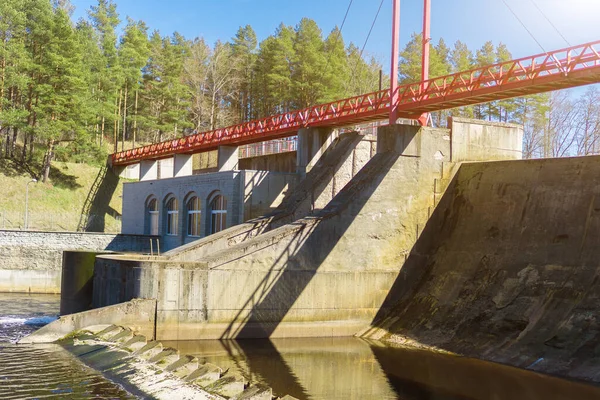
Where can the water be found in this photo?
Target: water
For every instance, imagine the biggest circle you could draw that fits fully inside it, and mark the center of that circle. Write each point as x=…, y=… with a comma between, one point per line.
x=43, y=371
x=310, y=368
x=350, y=368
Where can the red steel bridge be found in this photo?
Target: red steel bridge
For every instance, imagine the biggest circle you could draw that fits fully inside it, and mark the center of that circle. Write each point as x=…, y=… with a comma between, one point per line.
x=560, y=69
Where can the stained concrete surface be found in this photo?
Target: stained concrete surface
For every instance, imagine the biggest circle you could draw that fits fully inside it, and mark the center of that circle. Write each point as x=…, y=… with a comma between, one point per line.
x=507, y=269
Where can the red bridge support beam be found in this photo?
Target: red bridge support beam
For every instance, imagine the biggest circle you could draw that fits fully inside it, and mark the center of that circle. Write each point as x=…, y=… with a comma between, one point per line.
x=394, y=67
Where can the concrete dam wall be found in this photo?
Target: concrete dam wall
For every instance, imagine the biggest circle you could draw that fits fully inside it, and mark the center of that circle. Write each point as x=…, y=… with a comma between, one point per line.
x=507, y=269
x=30, y=261
x=326, y=274
x=316, y=269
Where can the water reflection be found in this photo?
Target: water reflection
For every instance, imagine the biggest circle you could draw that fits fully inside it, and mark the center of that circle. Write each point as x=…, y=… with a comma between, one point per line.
x=349, y=368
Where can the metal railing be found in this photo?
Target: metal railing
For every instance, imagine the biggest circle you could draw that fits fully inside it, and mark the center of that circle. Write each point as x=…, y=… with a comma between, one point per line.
x=269, y=147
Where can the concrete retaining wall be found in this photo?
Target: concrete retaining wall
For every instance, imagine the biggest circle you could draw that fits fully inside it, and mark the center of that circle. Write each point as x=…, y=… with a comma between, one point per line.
x=325, y=275
x=248, y=193
x=282, y=162
x=31, y=261
x=342, y=161
x=507, y=269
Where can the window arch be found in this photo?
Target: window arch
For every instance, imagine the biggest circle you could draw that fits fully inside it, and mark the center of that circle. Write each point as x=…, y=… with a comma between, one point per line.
x=172, y=208
x=152, y=209
x=193, y=216
x=218, y=213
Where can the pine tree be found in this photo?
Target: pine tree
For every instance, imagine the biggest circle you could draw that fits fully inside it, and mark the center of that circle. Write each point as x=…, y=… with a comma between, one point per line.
x=462, y=59
x=273, y=73
x=133, y=56
x=308, y=65
x=244, y=56
x=336, y=72
x=64, y=101
x=486, y=55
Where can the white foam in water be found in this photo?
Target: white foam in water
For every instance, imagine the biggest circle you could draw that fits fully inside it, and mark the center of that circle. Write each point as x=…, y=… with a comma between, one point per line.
x=10, y=320
x=40, y=320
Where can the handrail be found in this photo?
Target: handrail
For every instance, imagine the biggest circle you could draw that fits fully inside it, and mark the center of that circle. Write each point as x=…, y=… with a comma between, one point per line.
x=563, y=68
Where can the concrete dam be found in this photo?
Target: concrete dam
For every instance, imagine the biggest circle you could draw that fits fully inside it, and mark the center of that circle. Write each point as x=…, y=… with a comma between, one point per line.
x=441, y=240
x=507, y=269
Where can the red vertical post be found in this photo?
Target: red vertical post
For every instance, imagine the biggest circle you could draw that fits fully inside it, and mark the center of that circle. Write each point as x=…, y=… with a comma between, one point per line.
x=425, y=55
x=394, y=68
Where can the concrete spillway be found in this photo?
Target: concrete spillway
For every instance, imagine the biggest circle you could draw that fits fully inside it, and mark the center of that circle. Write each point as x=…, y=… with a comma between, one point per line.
x=507, y=269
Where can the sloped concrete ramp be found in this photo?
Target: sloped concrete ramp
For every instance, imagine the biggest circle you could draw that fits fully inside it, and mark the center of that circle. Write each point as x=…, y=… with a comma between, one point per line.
x=507, y=269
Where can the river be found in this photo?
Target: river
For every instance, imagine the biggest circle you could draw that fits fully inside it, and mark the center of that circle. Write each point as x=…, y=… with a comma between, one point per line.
x=310, y=368
x=43, y=371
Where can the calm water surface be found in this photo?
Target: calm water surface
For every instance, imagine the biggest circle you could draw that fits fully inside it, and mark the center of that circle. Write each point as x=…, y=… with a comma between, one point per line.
x=316, y=369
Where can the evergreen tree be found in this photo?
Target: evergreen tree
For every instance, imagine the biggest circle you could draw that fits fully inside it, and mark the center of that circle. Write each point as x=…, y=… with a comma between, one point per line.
x=64, y=97
x=309, y=63
x=133, y=56
x=462, y=59
x=244, y=57
x=336, y=72
x=273, y=73
x=105, y=19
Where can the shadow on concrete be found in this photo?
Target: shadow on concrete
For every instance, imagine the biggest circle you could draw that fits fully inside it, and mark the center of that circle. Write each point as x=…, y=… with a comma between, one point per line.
x=271, y=302
x=418, y=263
x=297, y=203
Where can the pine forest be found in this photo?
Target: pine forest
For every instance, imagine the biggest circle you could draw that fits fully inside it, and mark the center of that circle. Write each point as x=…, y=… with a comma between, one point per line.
x=79, y=90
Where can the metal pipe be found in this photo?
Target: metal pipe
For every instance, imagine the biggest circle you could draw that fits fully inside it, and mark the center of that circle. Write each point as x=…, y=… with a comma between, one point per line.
x=426, y=39
x=425, y=53
x=394, y=68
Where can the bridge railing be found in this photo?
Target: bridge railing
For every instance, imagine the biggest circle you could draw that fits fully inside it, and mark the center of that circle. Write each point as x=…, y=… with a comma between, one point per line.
x=354, y=109
x=478, y=85
x=271, y=147
x=510, y=74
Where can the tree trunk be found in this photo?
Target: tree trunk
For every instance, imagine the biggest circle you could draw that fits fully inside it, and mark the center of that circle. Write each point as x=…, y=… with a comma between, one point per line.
x=102, y=129
x=48, y=161
x=2, y=70
x=7, y=143
x=135, y=118
x=124, y=119
x=30, y=146
x=115, y=137
x=24, y=151
x=119, y=117
x=13, y=145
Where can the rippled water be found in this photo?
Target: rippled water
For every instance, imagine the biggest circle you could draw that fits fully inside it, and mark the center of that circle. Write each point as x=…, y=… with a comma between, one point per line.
x=308, y=369
x=43, y=371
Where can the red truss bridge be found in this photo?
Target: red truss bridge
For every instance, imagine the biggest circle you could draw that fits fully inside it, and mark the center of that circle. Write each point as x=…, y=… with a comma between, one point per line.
x=560, y=69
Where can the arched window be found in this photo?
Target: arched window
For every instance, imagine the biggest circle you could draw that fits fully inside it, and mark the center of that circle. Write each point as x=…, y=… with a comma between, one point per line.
x=153, y=217
x=218, y=214
x=172, y=216
x=193, y=216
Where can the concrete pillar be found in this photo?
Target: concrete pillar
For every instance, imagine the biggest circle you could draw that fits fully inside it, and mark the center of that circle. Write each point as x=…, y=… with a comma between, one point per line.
x=182, y=165
x=148, y=170
x=312, y=143
x=403, y=139
x=165, y=168
x=227, y=158
x=76, y=288
x=130, y=172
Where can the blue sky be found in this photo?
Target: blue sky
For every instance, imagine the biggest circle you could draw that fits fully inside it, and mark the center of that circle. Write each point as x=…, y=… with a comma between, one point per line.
x=472, y=21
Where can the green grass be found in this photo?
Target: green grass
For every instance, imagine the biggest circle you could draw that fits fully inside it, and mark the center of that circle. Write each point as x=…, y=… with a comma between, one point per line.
x=54, y=205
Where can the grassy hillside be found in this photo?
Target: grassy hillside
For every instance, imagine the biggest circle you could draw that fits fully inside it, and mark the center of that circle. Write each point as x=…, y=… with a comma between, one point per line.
x=57, y=204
